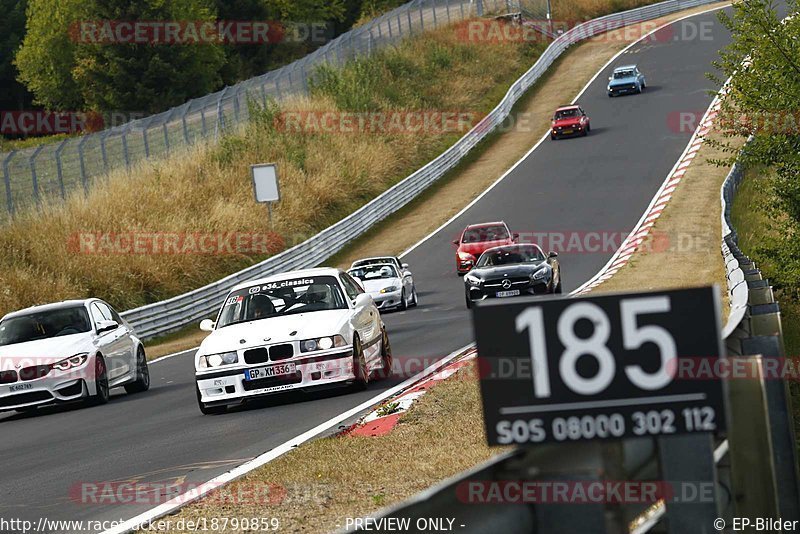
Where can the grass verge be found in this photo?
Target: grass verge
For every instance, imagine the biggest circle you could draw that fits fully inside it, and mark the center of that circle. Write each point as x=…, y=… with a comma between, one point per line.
x=761, y=230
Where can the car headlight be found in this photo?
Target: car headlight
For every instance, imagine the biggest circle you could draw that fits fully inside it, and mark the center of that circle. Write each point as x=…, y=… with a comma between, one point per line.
x=472, y=280
x=322, y=343
x=70, y=363
x=465, y=256
x=390, y=289
x=541, y=274
x=217, y=360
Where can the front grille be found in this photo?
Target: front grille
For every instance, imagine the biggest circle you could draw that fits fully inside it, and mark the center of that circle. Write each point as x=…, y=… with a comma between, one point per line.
x=514, y=281
x=271, y=382
x=8, y=377
x=32, y=373
x=281, y=352
x=627, y=87
x=24, y=398
x=258, y=355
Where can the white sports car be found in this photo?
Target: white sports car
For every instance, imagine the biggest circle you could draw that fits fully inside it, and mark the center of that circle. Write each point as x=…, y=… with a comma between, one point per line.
x=76, y=349
x=296, y=330
x=388, y=286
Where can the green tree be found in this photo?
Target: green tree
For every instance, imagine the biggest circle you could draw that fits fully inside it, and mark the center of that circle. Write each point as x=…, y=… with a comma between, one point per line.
x=146, y=77
x=763, y=101
x=47, y=56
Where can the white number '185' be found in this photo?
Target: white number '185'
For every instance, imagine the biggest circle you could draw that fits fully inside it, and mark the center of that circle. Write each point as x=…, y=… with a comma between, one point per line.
x=633, y=337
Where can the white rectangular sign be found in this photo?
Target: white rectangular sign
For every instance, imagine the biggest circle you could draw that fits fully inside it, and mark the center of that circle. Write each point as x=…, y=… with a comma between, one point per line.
x=265, y=182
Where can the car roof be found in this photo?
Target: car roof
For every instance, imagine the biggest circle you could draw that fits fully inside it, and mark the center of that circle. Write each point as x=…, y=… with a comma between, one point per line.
x=385, y=259
x=372, y=264
x=570, y=106
x=514, y=246
x=625, y=67
x=486, y=224
x=49, y=307
x=317, y=271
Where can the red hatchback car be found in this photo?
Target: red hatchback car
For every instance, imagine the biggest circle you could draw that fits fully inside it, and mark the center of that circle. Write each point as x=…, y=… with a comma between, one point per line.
x=569, y=120
x=477, y=238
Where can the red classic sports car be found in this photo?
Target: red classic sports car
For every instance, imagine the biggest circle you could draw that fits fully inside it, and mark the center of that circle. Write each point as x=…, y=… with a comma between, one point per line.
x=569, y=120
x=479, y=237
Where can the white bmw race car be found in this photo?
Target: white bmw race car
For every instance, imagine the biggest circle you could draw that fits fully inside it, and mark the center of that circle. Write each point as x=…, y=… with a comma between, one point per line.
x=76, y=349
x=296, y=330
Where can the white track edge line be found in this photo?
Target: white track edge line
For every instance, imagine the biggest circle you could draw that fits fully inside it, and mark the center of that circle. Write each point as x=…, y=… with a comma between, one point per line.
x=201, y=490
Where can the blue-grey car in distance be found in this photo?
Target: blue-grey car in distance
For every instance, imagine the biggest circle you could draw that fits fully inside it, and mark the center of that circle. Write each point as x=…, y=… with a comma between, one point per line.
x=627, y=79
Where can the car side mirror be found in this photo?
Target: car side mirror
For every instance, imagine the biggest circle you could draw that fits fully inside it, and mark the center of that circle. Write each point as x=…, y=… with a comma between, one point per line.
x=405, y=266
x=207, y=325
x=106, y=326
x=552, y=254
x=610, y=78
x=515, y=236
x=455, y=241
x=363, y=300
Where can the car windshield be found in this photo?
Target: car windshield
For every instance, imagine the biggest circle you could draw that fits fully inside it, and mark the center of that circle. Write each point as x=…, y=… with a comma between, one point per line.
x=374, y=272
x=44, y=325
x=371, y=261
x=485, y=233
x=286, y=297
x=623, y=74
x=566, y=114
x=508, y=256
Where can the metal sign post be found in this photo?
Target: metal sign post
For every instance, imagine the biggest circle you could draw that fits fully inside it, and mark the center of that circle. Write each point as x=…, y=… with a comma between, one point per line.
x=265, y=185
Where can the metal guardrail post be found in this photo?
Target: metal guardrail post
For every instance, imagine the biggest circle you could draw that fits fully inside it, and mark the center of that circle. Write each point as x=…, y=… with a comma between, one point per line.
x=750, y=444
x=103, y=149
x=144, y=139
x=433, y=8
x=184, y=126
x=7, y=179
x=220, y=126
x=781, y=427
x=84, y=177
x=479, y=7
x=59, y=169
x=34, y=178
x=125, y=150
x=447, y=9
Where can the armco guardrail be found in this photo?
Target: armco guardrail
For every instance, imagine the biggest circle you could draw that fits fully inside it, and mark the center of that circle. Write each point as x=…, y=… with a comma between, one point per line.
x=169, y=315
x=53, y=170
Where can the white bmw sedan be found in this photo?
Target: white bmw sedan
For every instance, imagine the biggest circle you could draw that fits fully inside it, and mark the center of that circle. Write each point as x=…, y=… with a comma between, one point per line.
x=297, y=330
x=76, y=349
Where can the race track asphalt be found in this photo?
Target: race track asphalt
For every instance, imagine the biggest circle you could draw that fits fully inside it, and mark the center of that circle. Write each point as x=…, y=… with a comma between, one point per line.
x=599, y=183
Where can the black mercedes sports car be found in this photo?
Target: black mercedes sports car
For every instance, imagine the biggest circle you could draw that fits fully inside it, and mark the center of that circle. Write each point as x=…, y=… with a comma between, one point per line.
x=510, y=271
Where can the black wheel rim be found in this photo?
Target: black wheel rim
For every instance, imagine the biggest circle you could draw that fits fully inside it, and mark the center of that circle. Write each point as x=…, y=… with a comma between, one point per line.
x=144, y=372
x=101, y=380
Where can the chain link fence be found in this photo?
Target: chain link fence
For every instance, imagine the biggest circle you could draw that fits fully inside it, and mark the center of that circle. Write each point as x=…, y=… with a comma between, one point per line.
x=52, y=171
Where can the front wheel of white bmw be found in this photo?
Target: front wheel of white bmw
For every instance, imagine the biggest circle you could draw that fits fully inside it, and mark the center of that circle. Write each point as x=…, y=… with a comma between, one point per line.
x=102, y=393
x=142, y=382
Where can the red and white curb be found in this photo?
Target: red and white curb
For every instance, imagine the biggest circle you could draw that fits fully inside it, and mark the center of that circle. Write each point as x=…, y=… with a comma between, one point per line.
x=379, y=423
x=642, y=229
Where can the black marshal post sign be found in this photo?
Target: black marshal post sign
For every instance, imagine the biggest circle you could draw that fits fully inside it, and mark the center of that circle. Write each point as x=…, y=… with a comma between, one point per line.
x=600, y=367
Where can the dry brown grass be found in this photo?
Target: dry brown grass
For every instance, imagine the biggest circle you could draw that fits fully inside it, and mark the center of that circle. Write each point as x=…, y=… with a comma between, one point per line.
x=333, y=478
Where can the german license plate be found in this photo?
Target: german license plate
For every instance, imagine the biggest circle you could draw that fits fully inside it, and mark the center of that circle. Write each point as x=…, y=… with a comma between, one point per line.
x=512, y=293
x=269, y=372
x=567, y=132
